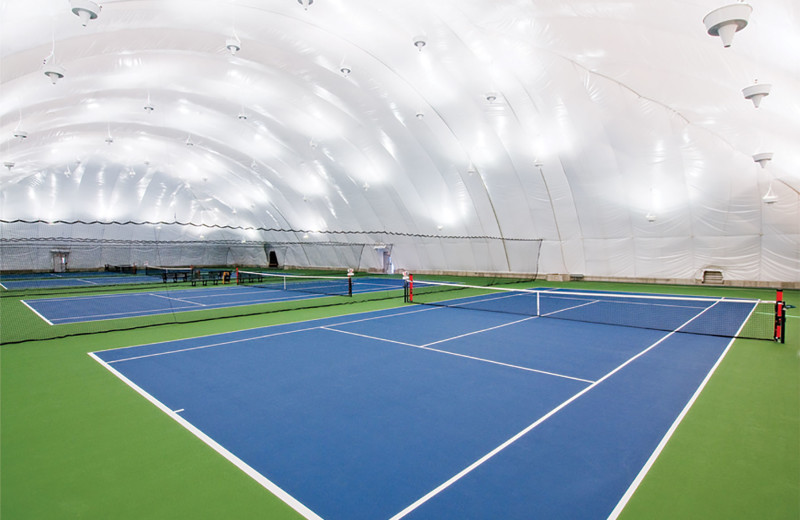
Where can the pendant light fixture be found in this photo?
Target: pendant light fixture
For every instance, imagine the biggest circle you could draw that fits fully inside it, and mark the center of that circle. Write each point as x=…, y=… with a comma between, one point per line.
x=727, y=21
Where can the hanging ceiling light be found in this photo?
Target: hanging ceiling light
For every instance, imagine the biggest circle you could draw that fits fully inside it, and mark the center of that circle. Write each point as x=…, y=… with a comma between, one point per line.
x=9, y=165
x=189, y=141
x=20, y=134
x=305, y=3
x=54, y=72
x=756, y=92
x=763, y=158
x=233, y=45
x=491, y=97
x=651, y=217
x=770, y=197
x=419, y=42
x=148, y=106
x=85, y=10
x=726, y=21
x=345, y=71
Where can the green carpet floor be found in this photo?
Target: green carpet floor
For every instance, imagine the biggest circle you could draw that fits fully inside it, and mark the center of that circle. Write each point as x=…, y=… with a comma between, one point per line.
x=76, y=443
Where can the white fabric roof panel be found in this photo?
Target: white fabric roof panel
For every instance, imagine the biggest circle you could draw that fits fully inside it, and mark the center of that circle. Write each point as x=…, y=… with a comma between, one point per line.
x=605, y=112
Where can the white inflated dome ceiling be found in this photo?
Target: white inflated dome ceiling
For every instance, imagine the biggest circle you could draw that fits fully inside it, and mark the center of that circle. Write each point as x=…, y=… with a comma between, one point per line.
x=614, y=130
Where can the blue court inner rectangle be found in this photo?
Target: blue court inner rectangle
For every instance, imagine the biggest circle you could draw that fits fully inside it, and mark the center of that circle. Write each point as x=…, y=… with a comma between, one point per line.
x=433, y=412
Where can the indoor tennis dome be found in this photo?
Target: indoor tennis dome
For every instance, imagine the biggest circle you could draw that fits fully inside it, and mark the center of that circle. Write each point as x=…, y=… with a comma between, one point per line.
x=569, y=138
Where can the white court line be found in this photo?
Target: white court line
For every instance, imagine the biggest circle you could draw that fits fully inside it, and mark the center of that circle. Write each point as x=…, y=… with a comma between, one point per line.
x=231, y=342
x=177, y=299
x=36, y=312
x=571, y=308
x=455, y=478
x=124, y=314
x=479, y=331
x=156, y=312
x=200, y=347
x=3, y=286
x=384, y=340
x=475, y=358
x=649, y=464
x=239, y=463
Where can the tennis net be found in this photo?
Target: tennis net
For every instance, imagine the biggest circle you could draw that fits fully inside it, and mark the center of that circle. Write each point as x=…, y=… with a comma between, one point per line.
x=754, y=319
x=325, y=285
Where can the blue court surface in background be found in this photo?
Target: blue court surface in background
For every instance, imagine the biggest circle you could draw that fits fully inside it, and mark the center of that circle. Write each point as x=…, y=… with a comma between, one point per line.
x=76, y=309
x=55, y=280
x=428, y=412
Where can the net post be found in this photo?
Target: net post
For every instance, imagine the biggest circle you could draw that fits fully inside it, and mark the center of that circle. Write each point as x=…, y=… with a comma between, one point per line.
x=783, y=322
x=237, y=276
x=410, y=288
x=780, y=317
x=350, y=273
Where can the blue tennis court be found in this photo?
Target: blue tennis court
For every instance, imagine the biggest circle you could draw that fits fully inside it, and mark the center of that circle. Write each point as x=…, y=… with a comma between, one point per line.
x=75, y=309
x=56, y=280
x=431, y=412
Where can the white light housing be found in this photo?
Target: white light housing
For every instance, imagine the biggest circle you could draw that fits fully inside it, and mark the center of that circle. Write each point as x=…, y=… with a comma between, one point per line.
x=9, y=165
x=242, y=116
x=756, y=92
x=650, y=217
x=726, y=21
x=763, y=158
x=419, y=42
x=233, y=45
x=345, y=71
x=20, y=134
x=420, y=115
x=149, y=107
x=54, y=72
x=770, y=197
x=491, y=97
x=305, y=3
x=85, y=10
x=109, y=140
x=189, y=141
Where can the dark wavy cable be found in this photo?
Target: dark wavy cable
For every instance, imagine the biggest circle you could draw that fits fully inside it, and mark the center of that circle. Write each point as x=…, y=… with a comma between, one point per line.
x=273, y=230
